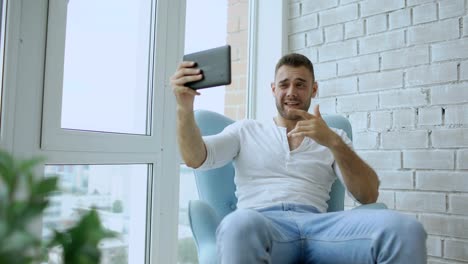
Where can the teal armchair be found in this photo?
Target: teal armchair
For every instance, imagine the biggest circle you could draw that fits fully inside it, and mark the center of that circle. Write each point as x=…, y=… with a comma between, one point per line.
x=216, y=188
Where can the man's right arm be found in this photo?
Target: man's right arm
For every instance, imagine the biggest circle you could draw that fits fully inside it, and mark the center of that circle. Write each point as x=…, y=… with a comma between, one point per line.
x=191, y=145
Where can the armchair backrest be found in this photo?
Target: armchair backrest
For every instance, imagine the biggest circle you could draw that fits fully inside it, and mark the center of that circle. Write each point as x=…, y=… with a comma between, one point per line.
x=216, y=187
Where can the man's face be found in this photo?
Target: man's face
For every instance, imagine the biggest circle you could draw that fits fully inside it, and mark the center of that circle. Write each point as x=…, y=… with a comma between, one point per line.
x=293, y=88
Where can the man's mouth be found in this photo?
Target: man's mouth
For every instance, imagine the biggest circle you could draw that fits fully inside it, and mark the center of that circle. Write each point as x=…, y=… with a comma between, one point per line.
x=291, y=103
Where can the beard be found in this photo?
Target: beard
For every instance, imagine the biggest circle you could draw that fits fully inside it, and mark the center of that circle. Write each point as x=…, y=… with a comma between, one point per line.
x=284, y=113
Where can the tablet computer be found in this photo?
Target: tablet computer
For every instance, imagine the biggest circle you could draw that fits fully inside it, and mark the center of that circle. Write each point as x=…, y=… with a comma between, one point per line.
x=215, y=65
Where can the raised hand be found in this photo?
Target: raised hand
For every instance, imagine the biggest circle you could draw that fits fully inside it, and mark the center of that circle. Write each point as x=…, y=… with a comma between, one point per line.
x=186, y=72
x=313, y=126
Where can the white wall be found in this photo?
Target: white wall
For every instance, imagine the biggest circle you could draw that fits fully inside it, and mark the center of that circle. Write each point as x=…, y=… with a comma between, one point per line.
x=399, y=70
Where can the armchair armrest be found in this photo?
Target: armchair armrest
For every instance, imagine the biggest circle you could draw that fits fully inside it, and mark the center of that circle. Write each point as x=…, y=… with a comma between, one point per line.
x=371, y=206
x=204, y=222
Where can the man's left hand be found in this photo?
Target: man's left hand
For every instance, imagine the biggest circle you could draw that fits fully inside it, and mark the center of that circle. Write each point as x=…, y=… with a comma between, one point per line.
x=313, y=126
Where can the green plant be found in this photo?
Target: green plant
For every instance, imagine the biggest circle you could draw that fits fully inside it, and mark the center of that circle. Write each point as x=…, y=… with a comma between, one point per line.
x=23, y=198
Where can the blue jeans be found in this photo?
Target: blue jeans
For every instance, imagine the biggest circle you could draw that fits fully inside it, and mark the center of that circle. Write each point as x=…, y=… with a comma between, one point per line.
x=291, y=233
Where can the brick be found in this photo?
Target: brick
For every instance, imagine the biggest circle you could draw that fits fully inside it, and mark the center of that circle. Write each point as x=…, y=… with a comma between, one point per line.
x=359, y=64
x=327, y=105
x=449, y=94
x=366, y=102
x=294, y=10
x=420, y=201
x=395, y=179
x=464, y=69
x=465, y=26
x=373, y=7
x=442, y=181
x=456, y=249
x=403, y=98
x=400, y=18
x=297, y=41
x=358, y=121
x=462, y=159
x=405, y=57
x=450, y=138
x=404, y=118
x=314, y=37
x=425, y=13
x=456, y=115
x=382, y=42
x=431, y=74
x=344, y=2
x=366, y=140
x=338, y=87
x=405, y=139
x=431, y=116
x=339, y=15
x=432, y=32
x=445, y=225
x=376, y=24
x=317, y=5
x=388, y=198
x=434, y=246
x=429, y=159
x=451, y=8
x=418, y=2
x=334, y=33
x=458, y=204
x=303, y=23
x=382, y=159
x=354, y=29
x=457, y=49
x=380, y=81
x=380, y=121
x=338, y=50
x=310, y=52
x=325, y=70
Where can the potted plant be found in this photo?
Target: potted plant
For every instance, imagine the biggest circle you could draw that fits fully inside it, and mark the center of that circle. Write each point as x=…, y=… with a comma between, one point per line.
x=23, y=198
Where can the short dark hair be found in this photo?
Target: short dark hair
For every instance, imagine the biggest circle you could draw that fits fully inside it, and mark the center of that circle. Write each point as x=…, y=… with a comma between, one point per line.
x=295, y=60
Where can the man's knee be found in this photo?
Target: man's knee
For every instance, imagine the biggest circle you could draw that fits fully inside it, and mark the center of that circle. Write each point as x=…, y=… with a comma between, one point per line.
x=241, y=223
x=405, y=226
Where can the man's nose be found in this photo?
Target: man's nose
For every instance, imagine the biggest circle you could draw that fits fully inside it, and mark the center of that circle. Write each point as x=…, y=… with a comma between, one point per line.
x=291, y=90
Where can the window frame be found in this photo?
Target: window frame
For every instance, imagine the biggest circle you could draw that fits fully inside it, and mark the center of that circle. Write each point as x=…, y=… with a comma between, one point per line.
x=24, y=96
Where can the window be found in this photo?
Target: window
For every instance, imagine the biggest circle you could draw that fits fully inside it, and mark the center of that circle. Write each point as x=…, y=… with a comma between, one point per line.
x=2, y=50
x=228, y=23
x=119, y=194
x=108, y=66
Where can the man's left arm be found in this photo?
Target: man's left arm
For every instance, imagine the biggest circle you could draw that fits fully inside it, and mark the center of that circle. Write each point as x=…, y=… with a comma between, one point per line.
x=360, y=179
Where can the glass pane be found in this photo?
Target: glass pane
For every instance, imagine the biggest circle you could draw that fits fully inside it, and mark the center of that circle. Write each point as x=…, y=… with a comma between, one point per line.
x=226, y=24
x=107, y=65
x=118, y=192
x=188, y=191
x=2, y=49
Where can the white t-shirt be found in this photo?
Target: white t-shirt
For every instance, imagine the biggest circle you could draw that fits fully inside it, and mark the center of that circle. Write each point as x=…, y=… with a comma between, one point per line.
x=267, y=172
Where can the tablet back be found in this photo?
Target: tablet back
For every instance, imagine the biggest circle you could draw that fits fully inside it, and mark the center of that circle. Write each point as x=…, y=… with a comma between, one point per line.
x=215, y=65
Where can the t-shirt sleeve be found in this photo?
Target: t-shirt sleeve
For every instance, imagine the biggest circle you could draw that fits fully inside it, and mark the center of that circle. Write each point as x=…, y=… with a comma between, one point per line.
x=221, y=148
x=338, y=173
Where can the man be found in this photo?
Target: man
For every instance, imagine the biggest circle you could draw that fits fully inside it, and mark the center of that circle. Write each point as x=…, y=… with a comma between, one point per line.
x=284, y=172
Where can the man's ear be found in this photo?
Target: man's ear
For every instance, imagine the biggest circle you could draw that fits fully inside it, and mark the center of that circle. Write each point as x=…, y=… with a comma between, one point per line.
x=314, y=89
x=273, y=87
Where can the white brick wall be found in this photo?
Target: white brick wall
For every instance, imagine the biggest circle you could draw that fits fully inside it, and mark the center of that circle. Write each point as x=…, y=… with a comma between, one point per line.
x=360, y=64
x=429, y=159
x=372, y=7
x=398, y=70
x=400, y=18
x=376, y=24
x=420, y=201
x=405, y=57
x=425, y=13
x=432, y=32
x=430, y=116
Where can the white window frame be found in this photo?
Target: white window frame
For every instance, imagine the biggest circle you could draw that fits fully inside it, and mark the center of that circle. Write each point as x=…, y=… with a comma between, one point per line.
x=26, y=90
x=269, y=43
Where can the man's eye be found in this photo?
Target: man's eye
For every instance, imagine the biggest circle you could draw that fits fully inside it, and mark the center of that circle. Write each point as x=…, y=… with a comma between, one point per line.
x=300, y=85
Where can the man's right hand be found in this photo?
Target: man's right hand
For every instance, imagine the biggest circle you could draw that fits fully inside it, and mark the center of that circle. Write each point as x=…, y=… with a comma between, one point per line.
x=186, y=72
